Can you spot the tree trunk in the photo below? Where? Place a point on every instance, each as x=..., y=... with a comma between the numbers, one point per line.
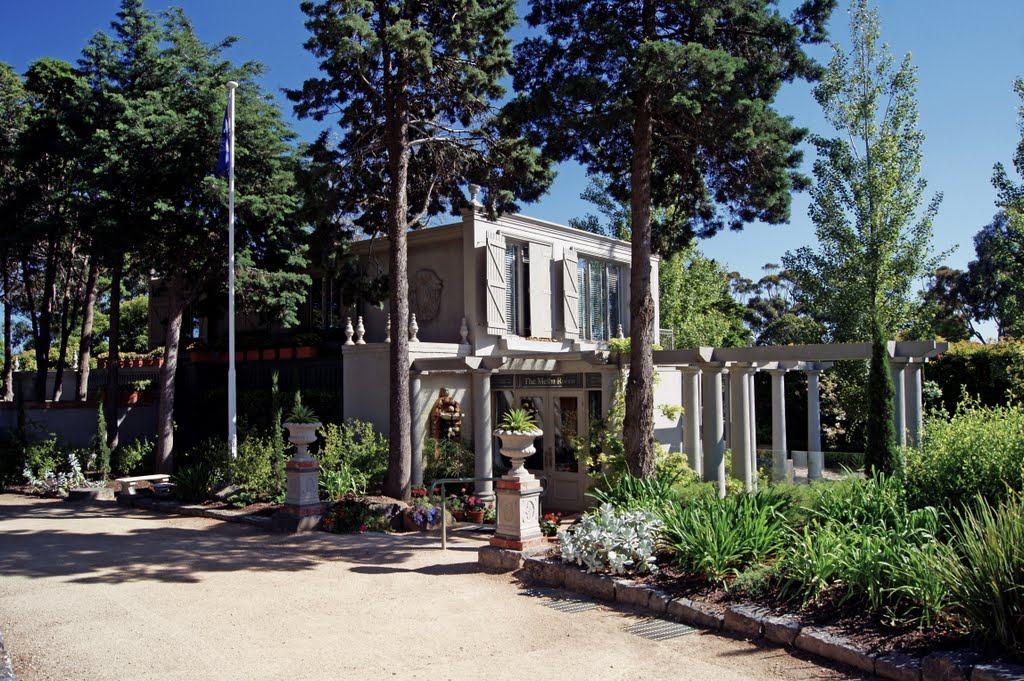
x=165, y=415
x=397, y=482
x=8, y=335
x=638, y=430
x=69, y=310
x=44, y=337
x=85, y=345
x=114, y=354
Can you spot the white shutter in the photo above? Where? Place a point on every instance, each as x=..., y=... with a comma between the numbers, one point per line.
x=495, y=283
x=570, y=294
x=540, y=291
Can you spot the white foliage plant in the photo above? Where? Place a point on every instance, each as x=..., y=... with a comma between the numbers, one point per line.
x=50, y=482
x=608, y=538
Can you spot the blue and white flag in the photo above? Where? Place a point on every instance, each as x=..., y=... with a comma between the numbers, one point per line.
x=224, y=159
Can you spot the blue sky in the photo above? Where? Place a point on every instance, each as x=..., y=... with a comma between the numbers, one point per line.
x=967, y=54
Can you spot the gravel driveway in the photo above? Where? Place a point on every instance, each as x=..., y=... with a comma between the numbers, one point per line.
x=104, y=592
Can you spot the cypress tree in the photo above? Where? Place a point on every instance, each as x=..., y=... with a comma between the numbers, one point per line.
x=881, y=454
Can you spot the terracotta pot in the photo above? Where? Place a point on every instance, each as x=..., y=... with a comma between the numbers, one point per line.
x=201, y=356
x=459, y=515
x=130, y=397
x=268, y=354
x=252, y=355
x=101, y=364
x=305, y=352
x=239, y=355
x=475, y=517
x=285, y=353
x=158, y=362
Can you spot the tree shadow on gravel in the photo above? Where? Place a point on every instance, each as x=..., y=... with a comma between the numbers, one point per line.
x=181, y=553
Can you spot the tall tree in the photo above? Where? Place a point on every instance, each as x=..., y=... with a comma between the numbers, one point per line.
x=773, y=312
x=874, y=237
x=672, y=102
x=13, y=114
x=414, y=85
x=696, y=303
x=994, y=287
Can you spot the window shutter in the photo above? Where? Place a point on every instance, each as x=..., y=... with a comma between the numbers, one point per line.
x=495, y=273
x=570, y=294
x=614, y=316
x=540, y=291
x=598, y=302
x=511, y=290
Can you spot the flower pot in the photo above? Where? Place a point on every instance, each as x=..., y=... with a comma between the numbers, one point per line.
x=518, y=446
x=302, y=435
x=101, y=364
x=285, y=353
x=268, y=354
x=199, y=356
x=130, y=397
x=305, y=352
x=459, y=515
x=475, y=517
x=158, y=361
x=252, y=355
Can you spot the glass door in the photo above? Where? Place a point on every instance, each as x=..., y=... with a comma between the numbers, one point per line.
x=566, y=482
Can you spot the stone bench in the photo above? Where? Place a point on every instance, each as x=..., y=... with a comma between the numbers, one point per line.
x=128, y=484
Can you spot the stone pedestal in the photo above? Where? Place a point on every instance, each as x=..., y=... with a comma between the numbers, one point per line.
x=518, y=514
x=302, y=508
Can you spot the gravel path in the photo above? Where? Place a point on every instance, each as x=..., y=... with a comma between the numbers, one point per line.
x=104, y=592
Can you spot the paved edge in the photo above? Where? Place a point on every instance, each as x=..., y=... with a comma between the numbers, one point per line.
x=755, y=623
x=149, y=503
x=6, y=670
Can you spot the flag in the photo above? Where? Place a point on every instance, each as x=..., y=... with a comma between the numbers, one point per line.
x=224, y=159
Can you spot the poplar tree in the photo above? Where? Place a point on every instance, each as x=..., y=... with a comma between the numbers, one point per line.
x=414, y=86
x=672, y=102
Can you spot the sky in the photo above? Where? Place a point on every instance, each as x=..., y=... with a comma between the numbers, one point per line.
x=967, y=53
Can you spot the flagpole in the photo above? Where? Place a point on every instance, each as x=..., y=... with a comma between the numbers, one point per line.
x=232, y=398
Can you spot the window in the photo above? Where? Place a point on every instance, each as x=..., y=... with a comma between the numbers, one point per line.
x=517, y=288
x=599, y=304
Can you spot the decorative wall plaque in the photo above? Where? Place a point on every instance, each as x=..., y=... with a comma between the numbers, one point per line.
x=425, y=294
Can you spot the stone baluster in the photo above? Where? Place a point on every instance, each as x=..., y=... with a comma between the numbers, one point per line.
x=464, y=331
x=360, y=331
x=414, y=329
x=348, y=331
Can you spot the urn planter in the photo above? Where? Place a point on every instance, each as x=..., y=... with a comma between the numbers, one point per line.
x=518, y=495
x=518, y=446
x=302, y=507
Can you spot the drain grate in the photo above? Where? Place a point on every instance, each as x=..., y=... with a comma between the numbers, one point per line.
x=659, y=630
x=562, y=604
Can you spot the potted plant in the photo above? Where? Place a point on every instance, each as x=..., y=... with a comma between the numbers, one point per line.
x=252, y=355
x=456, y=503
x=268, y=354
x=490, y=515
x=286, y=353
x=549, y=524
x=475, y=508
x=517, y=431
x=422, y=514
x=131, y=393
x=302, y=425
x=306, y=346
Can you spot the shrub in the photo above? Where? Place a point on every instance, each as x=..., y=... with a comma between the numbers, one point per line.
x=100, y=443
x=131, y=456
x=356, y=445
x=446, y=459
x=42, y=456
x=252, y=470
x=194, y=483
x=980, y=450
x=631, y=493
x=12, y=458
x=718, y=538
x=350, y=515
x=984, y=568
x=335, y=484
x=612, y=539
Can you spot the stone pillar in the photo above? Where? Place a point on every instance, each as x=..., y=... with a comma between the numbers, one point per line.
x=779, y=450
x=813, y=411
x=899, y=407
x=482, y=433
x=727, y=402
x=915, y=409
x=753, y=430
x=417, y=428
x=714, y=427
x=691, y=417
x=739, y=415
x=302, y=508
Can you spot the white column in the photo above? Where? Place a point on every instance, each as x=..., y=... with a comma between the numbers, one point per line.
x=739, y=412
x=691, y=417
x=915, y=411
x=418, y=428
x=779, y=451
x=899, y=408
x=753, y=430
x=727, y=413
x=714, y=427
x=482, y=433
x=813, y=411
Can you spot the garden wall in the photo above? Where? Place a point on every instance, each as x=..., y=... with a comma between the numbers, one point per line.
x=74, y=423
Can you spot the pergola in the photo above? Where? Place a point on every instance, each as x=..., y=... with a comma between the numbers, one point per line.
x=715, y=418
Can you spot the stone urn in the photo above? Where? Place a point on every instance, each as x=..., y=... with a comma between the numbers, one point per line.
x=517, y=445
x=302, y=435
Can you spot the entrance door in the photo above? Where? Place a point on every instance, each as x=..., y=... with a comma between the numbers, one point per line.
x=566, y=421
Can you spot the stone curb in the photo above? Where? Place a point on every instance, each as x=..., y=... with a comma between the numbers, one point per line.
x=755, y=622
x=6, y=670
x=159, y=505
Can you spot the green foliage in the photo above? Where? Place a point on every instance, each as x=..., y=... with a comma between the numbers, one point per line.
x=696, y=303
x=632, y=493
x=881, y=454
x=252, y=469
x=354, y=449
x=277, y=464
x=335, y=483
x=984, y=570
x=518, y=421
x=43, y=455
x=131, y=456
x=134, y=325
x=351, y=515
x=102, y=446
x=300, y=413
x=979, y=450
x=12, y=458
x=718, y=538
x=446, y=459
x=992, y=374
x=194, y=483
x=875, y=242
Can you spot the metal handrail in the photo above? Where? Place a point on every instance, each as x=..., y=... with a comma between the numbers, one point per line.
x=444, y=514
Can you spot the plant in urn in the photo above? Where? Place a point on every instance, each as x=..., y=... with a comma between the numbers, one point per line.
x=517, y=431
x=302, y=425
